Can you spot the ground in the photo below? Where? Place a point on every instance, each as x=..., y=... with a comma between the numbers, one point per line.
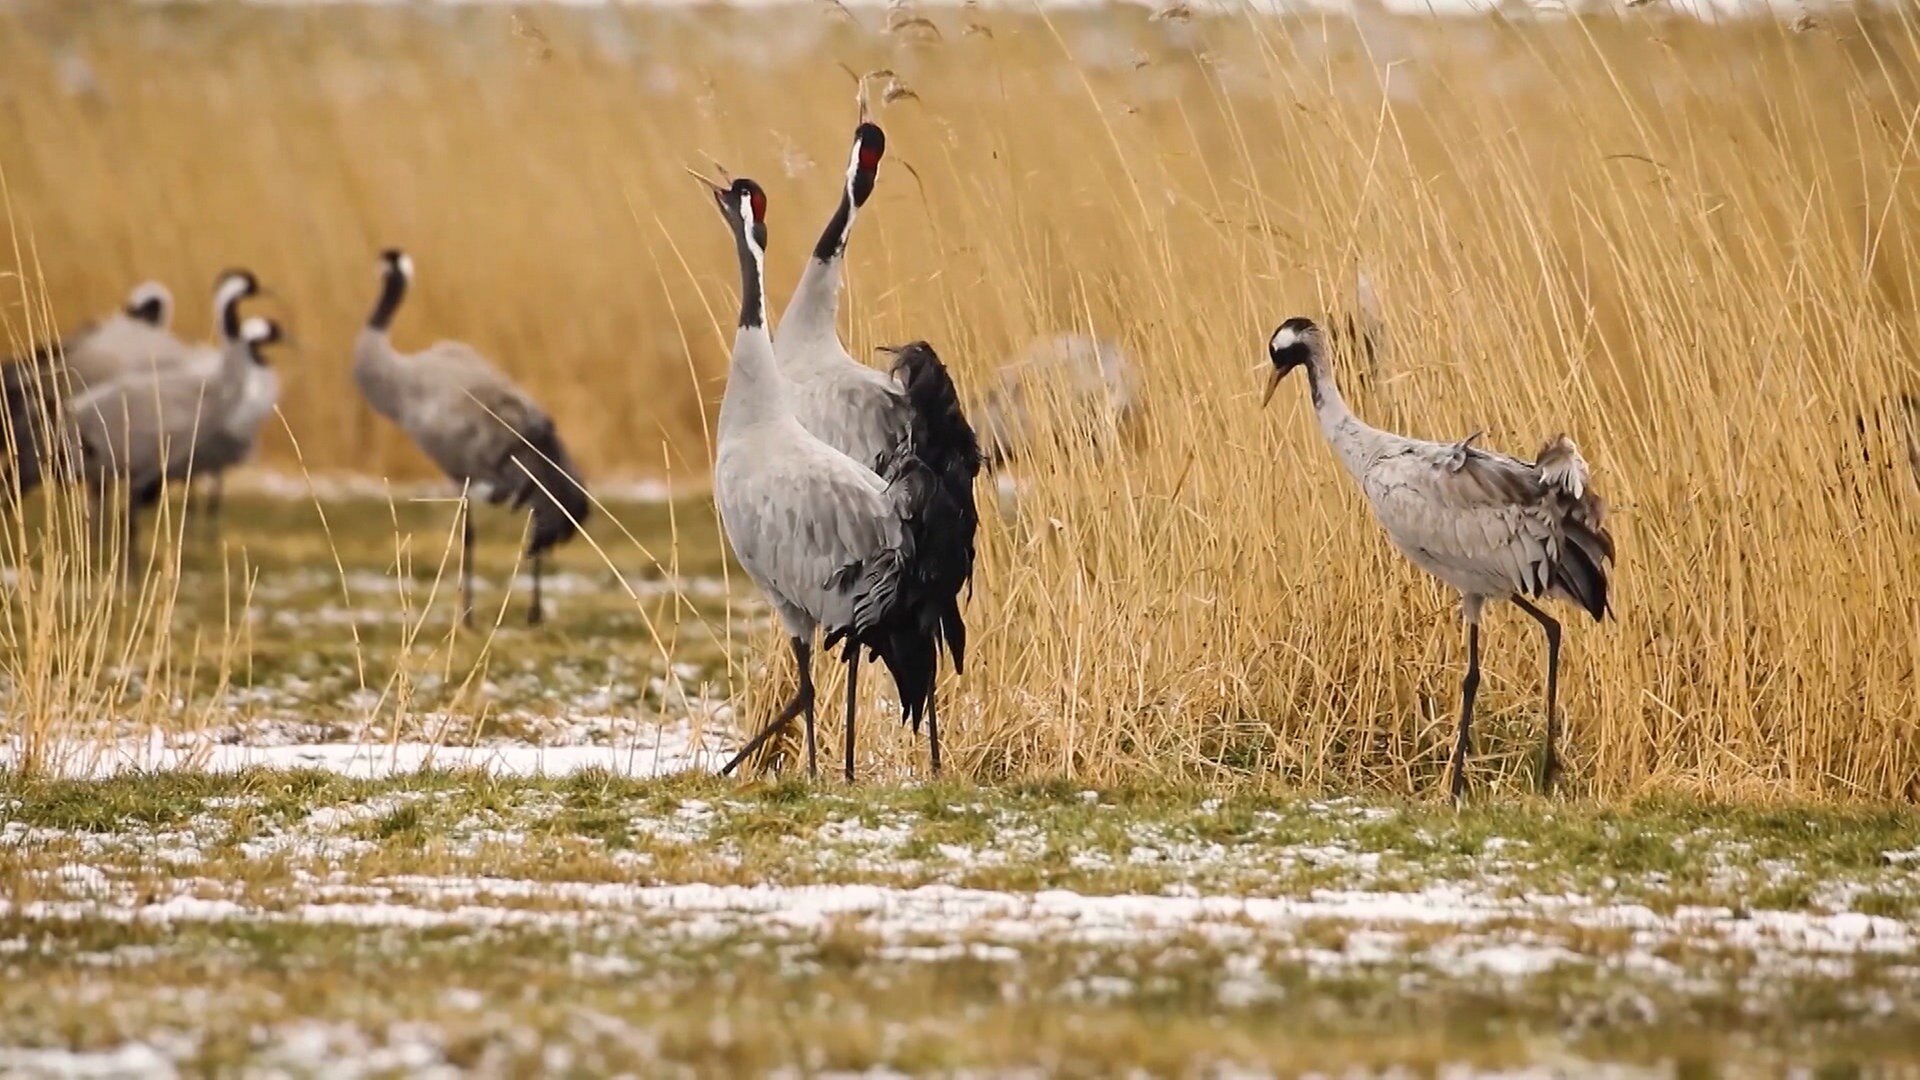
x=383, y=846
x=594, y=923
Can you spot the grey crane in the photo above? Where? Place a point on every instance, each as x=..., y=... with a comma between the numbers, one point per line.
x=237, y=431
x=148, y=427
x=485, y=433
x=872, y=416
x=35, y=387
x=1491, y=526
x=830, y=541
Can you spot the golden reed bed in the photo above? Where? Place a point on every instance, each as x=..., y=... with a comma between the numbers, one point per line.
x=1688, y=246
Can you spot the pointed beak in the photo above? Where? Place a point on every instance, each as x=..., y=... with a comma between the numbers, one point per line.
x=890, y=350
x=706, y=180
x=1273, y=383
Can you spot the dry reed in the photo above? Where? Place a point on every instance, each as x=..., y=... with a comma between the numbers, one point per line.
x=1685, y=244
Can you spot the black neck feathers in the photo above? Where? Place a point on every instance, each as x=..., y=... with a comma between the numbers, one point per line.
x=392, y=290
x=833, y=240
x=230, y=317
x=753, y=304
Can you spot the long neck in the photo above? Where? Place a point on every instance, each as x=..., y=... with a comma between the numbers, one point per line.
x=814, y=310
x=226, y=316
x=754, y=386
x=1352, y=438
x=392, y=291
x=237, y=361
x=376, y=368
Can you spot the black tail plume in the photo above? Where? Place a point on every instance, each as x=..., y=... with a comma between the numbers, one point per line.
x=945, y=520
x=550, y=486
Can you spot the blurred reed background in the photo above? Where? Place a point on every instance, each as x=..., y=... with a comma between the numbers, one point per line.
x=1685, y=244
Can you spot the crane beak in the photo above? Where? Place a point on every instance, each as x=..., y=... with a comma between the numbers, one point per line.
x=1273, y=383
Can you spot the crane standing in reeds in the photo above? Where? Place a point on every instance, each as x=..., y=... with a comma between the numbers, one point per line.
x=35, y=388
x=874, y=417
x=1491, y=526
x=142, y=430
x=830, y=541
x=486, y=434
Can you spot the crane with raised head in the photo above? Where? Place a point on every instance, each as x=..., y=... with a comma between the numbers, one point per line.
x=831, y=542
x=877, y=418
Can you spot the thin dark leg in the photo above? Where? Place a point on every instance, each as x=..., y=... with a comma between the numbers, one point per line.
x=1549, y=758
x=853, y=679
x=933, y=732
x=802, y=701
x=535, y=614
x=806, y=680
x=466, y=563
x=1463, y=745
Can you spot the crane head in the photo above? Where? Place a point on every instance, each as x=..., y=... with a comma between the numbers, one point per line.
x=395, y=261
x=151, y=303
x=235, y=285
x=258, y=331
x=1290, y=347
x=743, y=203
x=869, y=146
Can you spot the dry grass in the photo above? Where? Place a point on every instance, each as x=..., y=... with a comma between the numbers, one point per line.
x=1686, y=245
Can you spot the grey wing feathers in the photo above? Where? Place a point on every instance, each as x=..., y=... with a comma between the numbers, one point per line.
x=1492, y=525
x=809, y=532
x=145, y=429
x=854, y=409
x=466, y=415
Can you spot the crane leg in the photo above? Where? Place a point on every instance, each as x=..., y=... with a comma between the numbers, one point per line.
x=1463, y=744
x=535, y=614
x=933, y=732
x=802, y=701
x=1549, y=757
x=853, y=678
x=466, y=563
x=813, y=748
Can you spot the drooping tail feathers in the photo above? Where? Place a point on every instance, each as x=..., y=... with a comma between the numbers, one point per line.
x=548, y=485
x=903, y=602
x=1581, y=570
x=908, y=605
x=945, y=519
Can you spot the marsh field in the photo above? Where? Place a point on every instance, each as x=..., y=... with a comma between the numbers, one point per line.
x=267, y=810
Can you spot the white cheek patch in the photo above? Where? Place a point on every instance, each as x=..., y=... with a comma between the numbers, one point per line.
x=1282, y=338
x=255, y=329
x=853, y=162
x=405, y=262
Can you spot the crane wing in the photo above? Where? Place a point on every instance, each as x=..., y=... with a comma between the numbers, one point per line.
x=1474, y=518
x=806, y=527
